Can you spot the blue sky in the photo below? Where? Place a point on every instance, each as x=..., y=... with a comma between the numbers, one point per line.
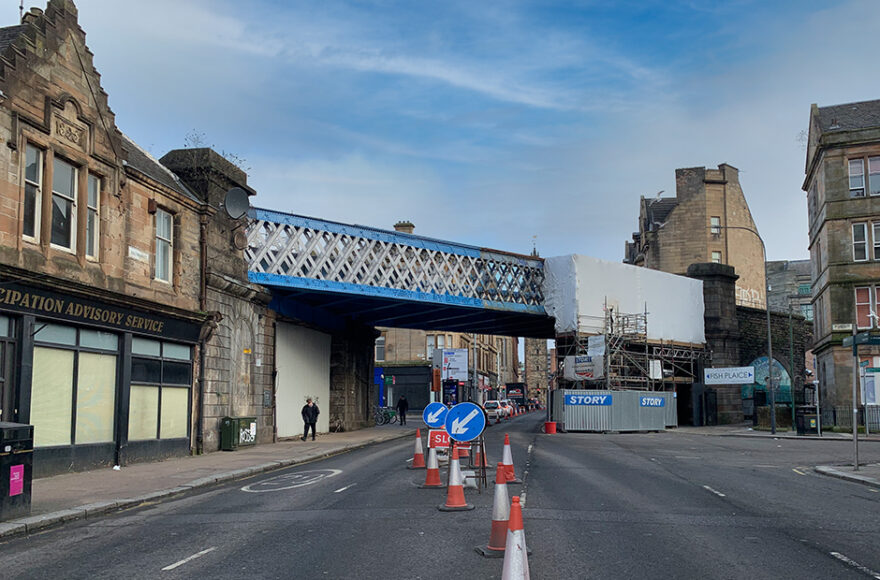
x=500, y=124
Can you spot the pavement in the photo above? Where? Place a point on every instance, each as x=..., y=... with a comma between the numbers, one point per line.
x=93, y=494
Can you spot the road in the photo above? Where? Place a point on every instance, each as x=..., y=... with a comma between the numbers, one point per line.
x=663, y=505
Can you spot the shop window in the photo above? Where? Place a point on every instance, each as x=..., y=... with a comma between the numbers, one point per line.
x=160, y=390
x=5, y=326
x=93, y=221
x=95, y=397
x=52, y=396
x=33, y=192
x=73, y=391
x=64, y=185
x=164, y=245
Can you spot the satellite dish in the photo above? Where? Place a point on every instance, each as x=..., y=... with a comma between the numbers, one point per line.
x=236, y=203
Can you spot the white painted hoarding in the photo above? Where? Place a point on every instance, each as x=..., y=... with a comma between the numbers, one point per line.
x=576, y=289
x=730, y=376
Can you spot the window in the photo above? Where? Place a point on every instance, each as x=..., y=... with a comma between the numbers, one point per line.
x=863, y=307
x=380, y=349
x=860, y=242
x=856, y=178
x=33, y=192
x=715, y=225
x=716, y=257
x=93, y=218
x=807, y=311
x=164, y=245
x=432, y=342
x=874, y=175
x=803, y=289
x=64, y=181
x=161, y=376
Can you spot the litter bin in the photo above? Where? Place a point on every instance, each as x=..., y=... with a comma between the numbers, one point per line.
x=16, y=469
x=811, y=423
x=237, y=431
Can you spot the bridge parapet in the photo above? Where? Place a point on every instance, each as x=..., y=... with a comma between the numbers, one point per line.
x=298, y=251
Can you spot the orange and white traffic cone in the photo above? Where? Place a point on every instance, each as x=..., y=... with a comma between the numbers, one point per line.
x=455, y=501
x=516, y=556
x=432, y=476
x=418, y=461
x=507, y=462
x=480, y=459
x=464, y=450
x=500, y=516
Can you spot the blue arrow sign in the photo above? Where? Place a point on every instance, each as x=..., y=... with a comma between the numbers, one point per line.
x=465, y=422
x=434, y=415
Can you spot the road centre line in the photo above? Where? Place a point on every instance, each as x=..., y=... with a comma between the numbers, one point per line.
x=715, y=491
x=856, y=565
x=798, y=471
x=341, y=489
x=189, y=559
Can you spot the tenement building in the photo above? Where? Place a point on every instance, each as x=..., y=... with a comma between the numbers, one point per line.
x=708, y=221
x=843, y=200
x=99, y=263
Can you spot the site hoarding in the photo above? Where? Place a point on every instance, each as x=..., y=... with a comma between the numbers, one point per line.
x=577, y=289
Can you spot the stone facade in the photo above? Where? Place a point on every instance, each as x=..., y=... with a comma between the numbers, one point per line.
x=736, y=335
x=536, y=365
x=709, y=218
x=790, y=287
x=843, y=149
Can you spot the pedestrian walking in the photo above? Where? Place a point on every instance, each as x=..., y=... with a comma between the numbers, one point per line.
x=310, y=414
x=402, y=408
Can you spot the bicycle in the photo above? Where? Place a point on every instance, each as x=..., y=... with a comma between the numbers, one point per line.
x=384, y=415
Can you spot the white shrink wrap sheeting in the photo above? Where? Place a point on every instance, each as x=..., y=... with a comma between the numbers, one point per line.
x=577, y=287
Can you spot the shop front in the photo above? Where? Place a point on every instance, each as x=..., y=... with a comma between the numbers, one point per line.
x=102, y=383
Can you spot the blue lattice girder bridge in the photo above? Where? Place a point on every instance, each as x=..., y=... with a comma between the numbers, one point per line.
x=334, y=274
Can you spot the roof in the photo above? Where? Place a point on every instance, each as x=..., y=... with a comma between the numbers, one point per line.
x=657, y=210
x=8, y=34
x=850, y=116
x=143, y=162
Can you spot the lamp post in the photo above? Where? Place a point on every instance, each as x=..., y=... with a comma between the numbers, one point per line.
x=769, y=335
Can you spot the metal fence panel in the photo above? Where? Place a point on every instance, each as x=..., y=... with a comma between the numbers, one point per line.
x=588, y=417
x=591, y=410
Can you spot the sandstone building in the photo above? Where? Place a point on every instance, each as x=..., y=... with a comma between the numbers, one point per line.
x=843, y=200
x=708, y=221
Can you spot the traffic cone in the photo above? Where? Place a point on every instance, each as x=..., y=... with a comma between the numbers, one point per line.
x=418, y=461
x=455, y=501
x=480, y=459
x=516, y=557
x=500, y=516
x=507, y=462
x=463, y=451
x=432, y=476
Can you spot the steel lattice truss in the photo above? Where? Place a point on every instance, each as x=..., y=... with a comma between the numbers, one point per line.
x=356, y=259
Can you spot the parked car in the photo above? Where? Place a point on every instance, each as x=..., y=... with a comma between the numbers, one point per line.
x=507, y=407
x=493, y=410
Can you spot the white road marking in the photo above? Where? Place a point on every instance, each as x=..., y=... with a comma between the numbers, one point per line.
x=189, y=559
x=798, y=471
x=291, y=480
x=715, y=491
x=341, y=489
x=856, y=565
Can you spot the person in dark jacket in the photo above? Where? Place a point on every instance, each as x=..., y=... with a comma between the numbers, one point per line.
x=402, y=408
x=310, y=414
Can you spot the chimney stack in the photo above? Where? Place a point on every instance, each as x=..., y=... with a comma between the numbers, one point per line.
x=405, y=226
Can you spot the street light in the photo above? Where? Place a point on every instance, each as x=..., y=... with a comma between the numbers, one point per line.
x=769, y=336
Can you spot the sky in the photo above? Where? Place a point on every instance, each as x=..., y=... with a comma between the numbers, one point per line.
x=501, y=124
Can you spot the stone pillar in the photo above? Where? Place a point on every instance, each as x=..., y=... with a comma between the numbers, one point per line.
x=722, y=331
x=351, y=377
x=535, y=365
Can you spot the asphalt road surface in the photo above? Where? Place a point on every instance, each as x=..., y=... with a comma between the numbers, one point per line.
x=660, y=505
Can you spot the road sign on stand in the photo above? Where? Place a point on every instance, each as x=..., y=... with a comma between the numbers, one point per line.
x=438, y=439
x=434, y=415
x=729, y=376
x=465, y=422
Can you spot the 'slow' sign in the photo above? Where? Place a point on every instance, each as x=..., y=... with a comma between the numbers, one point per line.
x=438, y=438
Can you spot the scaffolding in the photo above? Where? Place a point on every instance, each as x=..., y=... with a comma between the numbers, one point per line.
x=631, y=360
